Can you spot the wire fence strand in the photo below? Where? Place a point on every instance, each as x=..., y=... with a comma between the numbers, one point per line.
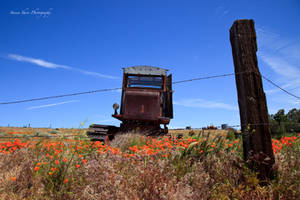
x=203, y=78
x=289, y=93
x=24, y=136
x=175, y=82
x=59, y=96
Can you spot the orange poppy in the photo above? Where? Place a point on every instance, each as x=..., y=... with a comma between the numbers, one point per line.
x=36, y=168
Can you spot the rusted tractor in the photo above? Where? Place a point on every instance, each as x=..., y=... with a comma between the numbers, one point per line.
x=146, y=104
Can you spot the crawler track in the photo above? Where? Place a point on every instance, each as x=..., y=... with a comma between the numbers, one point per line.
x=100, y=132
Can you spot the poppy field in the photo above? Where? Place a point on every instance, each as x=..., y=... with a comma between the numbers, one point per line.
x=133, y=166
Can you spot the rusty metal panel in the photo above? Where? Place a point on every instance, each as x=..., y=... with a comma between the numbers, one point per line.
x=169, y=98
x=141, y=105
x=145, y=70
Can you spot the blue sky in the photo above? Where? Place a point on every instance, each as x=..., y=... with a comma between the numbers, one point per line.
x=81, y=45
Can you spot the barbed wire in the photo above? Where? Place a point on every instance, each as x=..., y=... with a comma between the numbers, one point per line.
x=59, y=96
x=203, y=78
x=203, y=128
x=175, y=82
x=211, y=77
x=105, y=90
x=256, y=124
x=280, y=87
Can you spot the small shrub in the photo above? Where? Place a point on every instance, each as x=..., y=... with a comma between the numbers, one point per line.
x=191, y=133
x=3, y=134
x=53, y=132
x=42, y=134
x=230, y=134
x=124, y=141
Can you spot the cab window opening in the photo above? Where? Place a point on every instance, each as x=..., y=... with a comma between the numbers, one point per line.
x=145, y=82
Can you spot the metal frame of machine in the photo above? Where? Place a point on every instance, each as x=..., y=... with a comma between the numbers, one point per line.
x=146, y=103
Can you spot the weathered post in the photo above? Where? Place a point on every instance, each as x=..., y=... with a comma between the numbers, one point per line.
x=257, y=144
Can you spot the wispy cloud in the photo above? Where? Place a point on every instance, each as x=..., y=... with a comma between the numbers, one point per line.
x=280, y=65
x=50, y=105
x=36, y=61
x=294, y=102
x=271, y=91
x=221, y=11
x=49, y=65
x=201, y=103
x=282, y=56
x=270, y=40
x=94, y=74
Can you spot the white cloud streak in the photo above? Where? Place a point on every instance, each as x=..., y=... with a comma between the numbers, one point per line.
x=49, y=65
x=201, y=103
x=282, y=56
x=36, y=61
x=50, y=105
x=271, y=91
x=281, y=66
x=221, y=11
x=95, y=74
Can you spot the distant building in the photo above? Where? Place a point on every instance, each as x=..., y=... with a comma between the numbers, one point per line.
x=224, y=126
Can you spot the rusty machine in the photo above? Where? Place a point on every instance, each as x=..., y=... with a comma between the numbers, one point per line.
x=146, y=104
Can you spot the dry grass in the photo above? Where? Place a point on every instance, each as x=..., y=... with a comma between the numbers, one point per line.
x=7, y=133
x=182, y=174
x=197, y=132
x=30, y=131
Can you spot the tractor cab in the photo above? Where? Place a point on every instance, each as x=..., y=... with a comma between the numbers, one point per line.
x=146, y=104
x=146, y=100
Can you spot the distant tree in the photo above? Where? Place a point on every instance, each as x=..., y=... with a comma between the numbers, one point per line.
x=280, y=116
x=294, y=115
x=281, y=123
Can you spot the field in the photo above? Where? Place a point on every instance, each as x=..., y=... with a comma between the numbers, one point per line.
x=192, y=132
x=46, y=164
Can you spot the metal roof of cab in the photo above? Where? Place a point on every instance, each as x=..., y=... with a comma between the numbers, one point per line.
x=145, y=70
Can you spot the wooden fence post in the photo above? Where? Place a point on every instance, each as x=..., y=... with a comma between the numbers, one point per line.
x=257, y=144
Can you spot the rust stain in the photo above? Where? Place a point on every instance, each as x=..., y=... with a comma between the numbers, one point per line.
x=143, y=108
